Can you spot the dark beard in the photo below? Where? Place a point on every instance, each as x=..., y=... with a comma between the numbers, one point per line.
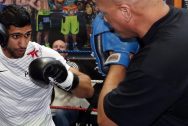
x=13, y=54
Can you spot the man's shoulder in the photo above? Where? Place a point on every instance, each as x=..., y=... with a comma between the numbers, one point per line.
x=38, y=46
x=41, y=50
x=34, y=43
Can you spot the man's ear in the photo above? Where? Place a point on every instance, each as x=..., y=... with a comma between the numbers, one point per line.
x=126, y=12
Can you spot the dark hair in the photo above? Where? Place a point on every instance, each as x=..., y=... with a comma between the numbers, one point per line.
x=14, y=15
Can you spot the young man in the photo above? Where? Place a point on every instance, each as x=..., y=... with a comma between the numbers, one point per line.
x=25, y=91
x=155, y=90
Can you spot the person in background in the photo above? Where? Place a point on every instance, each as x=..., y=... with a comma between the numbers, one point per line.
x=70, y=24
x=34, y=4
x=43, y=22
x=25, y=4
x=60, y=45
x=8, y=2
x=155, y=89
x=29, y=71
x=82, y=37
x=62, y=98
x=90, y=15
x=55, y=5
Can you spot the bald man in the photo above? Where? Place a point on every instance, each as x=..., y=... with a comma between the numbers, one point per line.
x=155, y=89
x=60, y=45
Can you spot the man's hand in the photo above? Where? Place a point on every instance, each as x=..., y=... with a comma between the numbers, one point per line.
x=48, y=70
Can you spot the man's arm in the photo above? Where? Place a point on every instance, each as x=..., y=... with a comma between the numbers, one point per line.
x=115, y=75
x=84, y=88
x=35, y=4
x=21, y=2
x=46, y=71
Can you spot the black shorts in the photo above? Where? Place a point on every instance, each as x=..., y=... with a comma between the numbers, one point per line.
x=43, y=23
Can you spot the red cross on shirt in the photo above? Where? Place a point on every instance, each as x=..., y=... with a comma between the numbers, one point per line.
x=33, y=53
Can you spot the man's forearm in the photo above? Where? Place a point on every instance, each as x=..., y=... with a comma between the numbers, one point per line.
x=84, y=88
x=115, y=75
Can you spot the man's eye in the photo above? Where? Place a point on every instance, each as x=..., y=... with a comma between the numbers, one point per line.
x=27, y=35
x=19, y=35
x=16, y=36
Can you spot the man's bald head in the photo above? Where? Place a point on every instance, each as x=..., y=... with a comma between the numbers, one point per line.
x=142, y=4
x=132, y=18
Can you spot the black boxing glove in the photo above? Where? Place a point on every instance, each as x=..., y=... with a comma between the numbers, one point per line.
x=46, y=70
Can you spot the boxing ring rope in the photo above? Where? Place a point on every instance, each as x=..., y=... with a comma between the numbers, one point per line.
x=96, y=81
x=73, y=54
x=74, y=51
x=72, y=108
x=93, y=110
x=77, y=108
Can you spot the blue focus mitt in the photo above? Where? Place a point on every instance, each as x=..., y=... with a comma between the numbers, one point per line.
x=108, y=48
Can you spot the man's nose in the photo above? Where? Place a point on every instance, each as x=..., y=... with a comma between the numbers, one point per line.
x=23, y=42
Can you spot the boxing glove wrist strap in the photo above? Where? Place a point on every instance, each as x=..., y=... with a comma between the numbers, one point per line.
x=70, y=83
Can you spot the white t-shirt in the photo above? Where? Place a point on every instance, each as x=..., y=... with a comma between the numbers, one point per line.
x=23, y=103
